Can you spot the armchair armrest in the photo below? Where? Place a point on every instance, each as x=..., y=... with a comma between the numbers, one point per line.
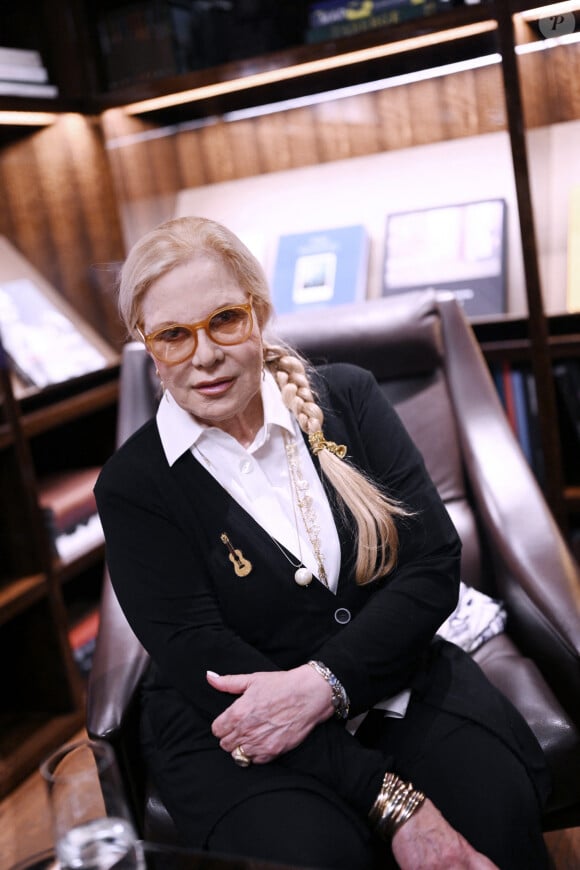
x=119, y=663
x=536, y=574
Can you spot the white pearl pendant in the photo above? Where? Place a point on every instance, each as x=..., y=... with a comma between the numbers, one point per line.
x=303, y=577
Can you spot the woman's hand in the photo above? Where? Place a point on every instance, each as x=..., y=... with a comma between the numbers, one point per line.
x=428, y=842
x=275, y=711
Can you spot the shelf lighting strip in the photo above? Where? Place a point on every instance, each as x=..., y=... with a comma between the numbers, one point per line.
x=300, y=102
x=550, y=11
x=28, y=119
x=349, y=58
x=366, y=87
x=550, y=42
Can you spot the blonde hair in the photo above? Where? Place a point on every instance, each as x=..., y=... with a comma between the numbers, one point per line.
x=374, y=513
x=177, y=241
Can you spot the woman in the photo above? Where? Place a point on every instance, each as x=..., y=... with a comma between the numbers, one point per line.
x=278, y=548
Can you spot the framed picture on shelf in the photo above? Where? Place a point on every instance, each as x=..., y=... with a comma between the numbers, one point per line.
x=460, y=248
x=45, y=339
x=320, y=268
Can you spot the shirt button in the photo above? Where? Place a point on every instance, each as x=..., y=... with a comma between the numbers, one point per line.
x=246, y=465
x=342, y=615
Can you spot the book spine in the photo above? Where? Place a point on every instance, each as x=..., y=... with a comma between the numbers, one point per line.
x=497, y=376
x=67, y=498
x=82, y=540
x=20, y=56
x=395, y=13
x=337, y=11
x=521, y=412
x=27, y=89
x=85, y=630
x=567, y=376
x=509, y=400
x=22, y=73
x=534, y=427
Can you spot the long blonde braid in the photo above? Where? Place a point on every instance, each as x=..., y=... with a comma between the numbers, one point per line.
x=373, y=512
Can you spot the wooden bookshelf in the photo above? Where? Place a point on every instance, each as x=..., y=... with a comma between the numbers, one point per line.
x=42, y=700
x=66, y=190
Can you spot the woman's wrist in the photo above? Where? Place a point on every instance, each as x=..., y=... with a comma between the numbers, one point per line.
x=396, y=802
x=340, y=700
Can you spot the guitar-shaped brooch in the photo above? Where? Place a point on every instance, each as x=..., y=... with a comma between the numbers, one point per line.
x=242, y=566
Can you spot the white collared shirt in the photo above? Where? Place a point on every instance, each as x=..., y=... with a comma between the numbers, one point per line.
x=257, y=477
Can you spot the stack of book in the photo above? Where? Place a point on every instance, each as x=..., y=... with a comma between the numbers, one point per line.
x=67, y=501
x=22, y=74
x=143, y=40
x=332, y=19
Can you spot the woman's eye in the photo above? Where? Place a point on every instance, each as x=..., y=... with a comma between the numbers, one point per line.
x=173, y=334
x=226, y=318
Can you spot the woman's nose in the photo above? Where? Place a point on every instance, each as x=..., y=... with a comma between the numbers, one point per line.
x=207, y=352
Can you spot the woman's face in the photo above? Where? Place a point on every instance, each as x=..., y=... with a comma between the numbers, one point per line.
x=219, y=386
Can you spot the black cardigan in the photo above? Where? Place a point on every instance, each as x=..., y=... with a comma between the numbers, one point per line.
x=177, y=586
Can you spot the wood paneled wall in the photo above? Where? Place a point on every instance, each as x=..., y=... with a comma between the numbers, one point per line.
x=59, y=210
x=146, y=167
x=150, y=165
x=77, y=194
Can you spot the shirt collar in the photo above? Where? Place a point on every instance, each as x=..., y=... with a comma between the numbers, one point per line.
x=180, y=431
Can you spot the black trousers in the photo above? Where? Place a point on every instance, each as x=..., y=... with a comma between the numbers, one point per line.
x=475, y=780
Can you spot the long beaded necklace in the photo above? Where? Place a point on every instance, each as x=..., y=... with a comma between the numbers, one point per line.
x=301, y=496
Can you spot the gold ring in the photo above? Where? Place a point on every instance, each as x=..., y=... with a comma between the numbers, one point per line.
x=240, y=757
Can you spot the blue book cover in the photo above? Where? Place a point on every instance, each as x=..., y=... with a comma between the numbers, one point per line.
x=519, y=392
x=320, y=268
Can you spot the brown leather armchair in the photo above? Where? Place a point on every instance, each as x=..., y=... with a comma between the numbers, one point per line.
x=424, y=354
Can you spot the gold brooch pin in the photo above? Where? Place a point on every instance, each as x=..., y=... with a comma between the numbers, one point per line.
x=242, y=566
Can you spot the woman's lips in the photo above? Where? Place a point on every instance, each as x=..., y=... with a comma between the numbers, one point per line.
x=214, y=388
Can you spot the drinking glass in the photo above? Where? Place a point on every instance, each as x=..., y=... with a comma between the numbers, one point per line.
x=91, y=821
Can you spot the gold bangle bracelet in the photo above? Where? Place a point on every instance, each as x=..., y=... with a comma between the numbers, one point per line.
x=395, y=804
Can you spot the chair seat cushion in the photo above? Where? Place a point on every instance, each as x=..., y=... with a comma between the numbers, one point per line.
x=519, y=679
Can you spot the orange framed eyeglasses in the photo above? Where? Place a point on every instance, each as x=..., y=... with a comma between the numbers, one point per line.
x=177, y=342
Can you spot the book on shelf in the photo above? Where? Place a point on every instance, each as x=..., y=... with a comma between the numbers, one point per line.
x=27, y=89
x=82, y=638
x=536, y=448
x=567, y=380
x=509, y=401
x=22, y=74
x=567, y=376
x=332, y=19
x=460, y=248
x=137, y=42
x=320, y=268
x=67, y=498
x=20, y=56
x=13, y=72
x=45, y=339
x=521, y=413
x=82, y=539
x=70, y=511
x=516, y=387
